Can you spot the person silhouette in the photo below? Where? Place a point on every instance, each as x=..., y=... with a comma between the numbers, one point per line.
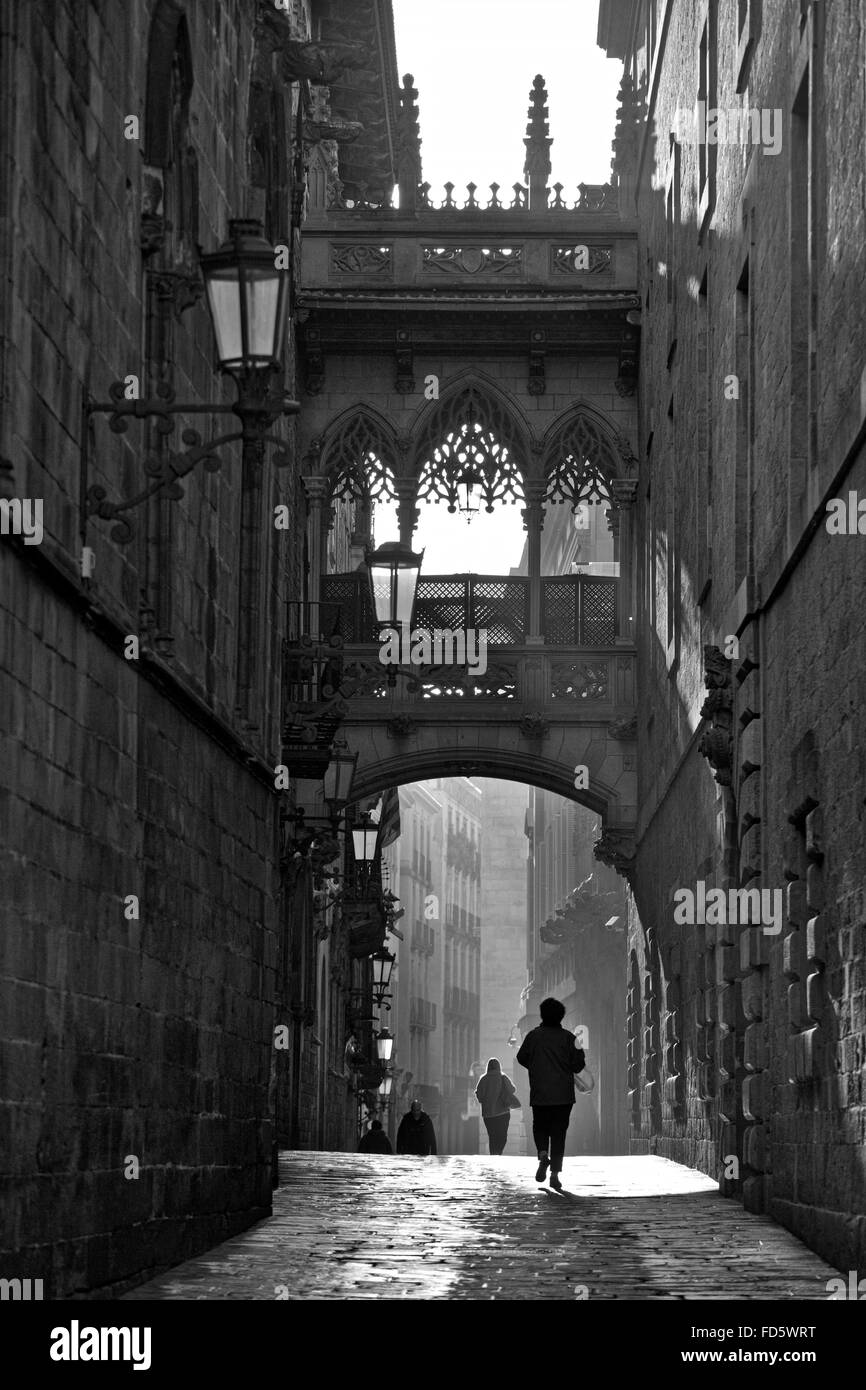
x=552, y=1058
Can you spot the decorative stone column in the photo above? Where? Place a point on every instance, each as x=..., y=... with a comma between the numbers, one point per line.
x=407, y=511
x=622, y=495
x=316, y=489
x=533, y=524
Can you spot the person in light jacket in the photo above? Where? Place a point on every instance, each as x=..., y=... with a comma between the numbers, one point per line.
x=552, y=1058
x=493, y=1093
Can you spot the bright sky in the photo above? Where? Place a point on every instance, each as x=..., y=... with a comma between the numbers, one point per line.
x=473, y=62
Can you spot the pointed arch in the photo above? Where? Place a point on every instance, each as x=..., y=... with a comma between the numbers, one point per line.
x=472, y=428
x=359, y=456
x=581, y=456
x=168, y=48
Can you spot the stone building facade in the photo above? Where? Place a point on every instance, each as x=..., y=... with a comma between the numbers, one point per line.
x=746, y=1040
x=434, y=869
x=152, y=947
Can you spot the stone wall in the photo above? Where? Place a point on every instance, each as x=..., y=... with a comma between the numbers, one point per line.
x=137, y=1127
x=746, y=1046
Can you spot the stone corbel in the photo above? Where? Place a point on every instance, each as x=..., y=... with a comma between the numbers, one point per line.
x=623, y=730
x=180, y=288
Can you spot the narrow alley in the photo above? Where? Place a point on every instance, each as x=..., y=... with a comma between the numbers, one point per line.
x=481, y=1228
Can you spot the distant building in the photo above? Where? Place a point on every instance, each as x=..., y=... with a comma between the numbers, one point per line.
x=435, y=869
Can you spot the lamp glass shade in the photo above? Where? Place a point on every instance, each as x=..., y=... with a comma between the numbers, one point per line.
x=385, y=1086
x=248, y=299
x=384, y=1046
x=364, y=842
x=339, y=776
x=393, y=571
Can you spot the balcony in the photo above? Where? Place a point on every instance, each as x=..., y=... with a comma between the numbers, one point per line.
x=577, y=610
x=423, y=939
x=422, y=1014
x=583, y=674
x=462, y=1002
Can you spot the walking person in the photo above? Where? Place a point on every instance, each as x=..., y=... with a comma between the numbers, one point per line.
x=552, y=1059
x=497, y=1097
x=375, y=1141
x=416, y=1134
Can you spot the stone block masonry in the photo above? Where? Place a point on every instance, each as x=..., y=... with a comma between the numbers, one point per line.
x=747, y=1050
x=139, y=834
x=138, y=1046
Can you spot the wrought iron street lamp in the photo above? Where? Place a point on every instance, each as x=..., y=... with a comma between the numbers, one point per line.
x=383, y=964
x=338, y=779
x=384, y=1045
x=248, y=300
x=393, y=570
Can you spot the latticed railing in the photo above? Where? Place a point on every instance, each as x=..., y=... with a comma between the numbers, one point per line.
x=577, y=610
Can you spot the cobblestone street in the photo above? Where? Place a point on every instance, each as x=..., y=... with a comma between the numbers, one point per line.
x=359, y=1226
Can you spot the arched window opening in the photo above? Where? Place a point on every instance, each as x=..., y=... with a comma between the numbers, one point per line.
x=360, y=463
x=468, y=456
x=579, y=540
x=170, y=192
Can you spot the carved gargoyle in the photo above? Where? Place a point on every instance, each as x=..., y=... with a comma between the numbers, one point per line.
x=345, y=132
x=314, y=62
x=716, y=744
x=617, y=849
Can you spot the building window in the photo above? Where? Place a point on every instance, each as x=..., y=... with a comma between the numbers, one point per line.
x=745, y=371
x=672, y=226
x=704, y=386
x=707, y=103
x=748, y=31
x=802, y=292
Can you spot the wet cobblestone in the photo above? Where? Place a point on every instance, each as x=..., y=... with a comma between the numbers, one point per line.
x=353, y=1226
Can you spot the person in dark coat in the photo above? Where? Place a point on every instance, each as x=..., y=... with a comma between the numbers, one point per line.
x=375, y=1141
x=552, y=1058
x=493, y=1093
x=416, y=1134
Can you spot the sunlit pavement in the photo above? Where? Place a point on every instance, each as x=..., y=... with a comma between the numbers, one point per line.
x=349, y=1226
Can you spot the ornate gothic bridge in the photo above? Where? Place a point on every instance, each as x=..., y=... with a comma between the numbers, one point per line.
x=490, y=346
